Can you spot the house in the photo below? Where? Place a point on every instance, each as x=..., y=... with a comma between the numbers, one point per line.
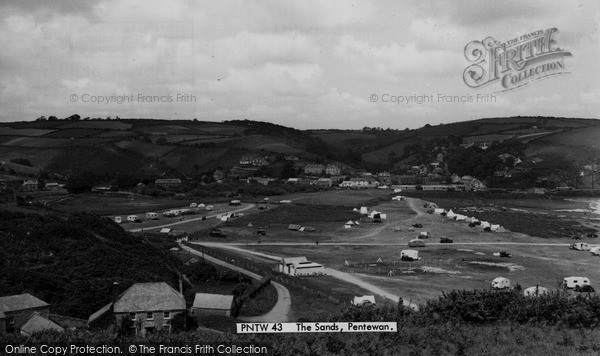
x=148, y=306
x=52, y=186
x=260, y=180
x=254, y=161
x=15, y=311
x=29, y=186
x=168, y=183
x=332, y=169
x=472, y=183
x=384, y=178
x=314, y=169
x=324, y=182
x=212, y=304
x=291, y=158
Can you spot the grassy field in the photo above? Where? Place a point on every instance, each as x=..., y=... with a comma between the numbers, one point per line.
x=96, y=124
x=23, y=132
x=72, y=133
x=116, y=204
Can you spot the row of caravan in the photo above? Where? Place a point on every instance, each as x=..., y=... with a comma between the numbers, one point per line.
x=576, y=283
x=168, y=214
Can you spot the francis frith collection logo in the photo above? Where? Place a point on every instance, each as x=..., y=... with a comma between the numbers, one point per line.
x=514, y=63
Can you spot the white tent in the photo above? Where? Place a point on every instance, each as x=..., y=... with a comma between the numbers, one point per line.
x=347, y=226
x=364, y=210
x=201, y=205
x=165, y=230
x=461, y=218
x=484, y=224
x=350, y=222
x=373, y=213
x=355, y=209
x=224, y=218
x=501, y=229
x=450, y=214
x=471, y=220
x=438, y=211
x=409, y=254
x=494, y=227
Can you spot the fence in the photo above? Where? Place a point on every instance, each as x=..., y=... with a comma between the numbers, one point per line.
x=399, y=266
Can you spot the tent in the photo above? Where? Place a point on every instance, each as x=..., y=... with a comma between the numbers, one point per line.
x=355, y=209
x=350, y=222
x=460, y=218
x=294, y=227
x=494, y=227
x=450, y=214
x=484, y=224
x=501, y=229
x=165, y=230
x=364, y=210
x=438, y=211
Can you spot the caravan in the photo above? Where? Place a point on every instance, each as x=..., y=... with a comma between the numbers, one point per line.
x=409, y=255
x=152, y=216
x=574, y=282
x=500, y=283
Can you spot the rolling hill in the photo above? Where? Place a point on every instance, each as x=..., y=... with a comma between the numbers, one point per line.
x=191, y=148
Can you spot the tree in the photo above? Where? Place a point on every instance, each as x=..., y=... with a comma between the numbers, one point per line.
x=52, y=118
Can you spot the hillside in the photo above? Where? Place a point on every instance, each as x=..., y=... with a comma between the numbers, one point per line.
x=149, y=149
x=71, y=261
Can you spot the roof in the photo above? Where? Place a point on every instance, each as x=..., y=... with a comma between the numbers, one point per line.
x=37, y=322
x=290, y=260
x=20, y=302
x=145, y=297
x=213, y=301
x=105, y=309
x=168, y=181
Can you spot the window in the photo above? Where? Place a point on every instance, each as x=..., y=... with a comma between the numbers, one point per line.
x=149, y=316
x=166, y=315
x=167, y=328
x=132, y=316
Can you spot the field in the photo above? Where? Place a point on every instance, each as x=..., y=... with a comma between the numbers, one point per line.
x=73, y=133
x=104, y=125
x=23, y=132
x=115, y=204
x=146, y=149
x=468, y=263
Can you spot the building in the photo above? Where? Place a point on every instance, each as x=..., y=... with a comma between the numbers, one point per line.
x=314, y=169
x=472, y=183
x=291, y=158
x=300, y=266
x=168, y=183
x=324, y=182
x=332, y=170
x=38, y=322
x=52, y=186
x=212, y=304
x=384, y=178
x=16, y=310
x=29, y=186
x=260, y=180
x=149, y=306
x=254, y=161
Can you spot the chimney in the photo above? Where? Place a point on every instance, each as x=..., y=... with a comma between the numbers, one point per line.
x=180, y=285
x=114, y=292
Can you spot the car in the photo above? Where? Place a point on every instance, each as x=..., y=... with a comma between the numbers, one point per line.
x=418, y=226
x=584, y=289
x=416, y=243
x=445, y=240
x=217, y=233
x=262, y=232
x=502, y=254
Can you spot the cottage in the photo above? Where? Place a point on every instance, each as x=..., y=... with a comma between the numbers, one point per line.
x=168, y=183
x=29, y=185
x=15, y=311
x=38, y=322
x=300, y=266
x=332, y=170
x=149, y=307
x=314, y=169
x=212, y=304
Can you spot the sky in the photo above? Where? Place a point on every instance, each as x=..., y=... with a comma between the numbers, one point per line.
x=305, y=64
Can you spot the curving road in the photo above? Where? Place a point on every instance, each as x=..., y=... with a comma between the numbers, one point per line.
x=346, y=277
x=281, y=310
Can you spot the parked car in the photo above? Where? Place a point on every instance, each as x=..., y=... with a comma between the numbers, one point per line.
x=217, y=233
x=416, y=243
x=418, y=226
x=445, y=240
x=580, y=246
x=502, y=254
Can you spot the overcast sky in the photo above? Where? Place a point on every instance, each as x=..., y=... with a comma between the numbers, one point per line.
x=305, y=64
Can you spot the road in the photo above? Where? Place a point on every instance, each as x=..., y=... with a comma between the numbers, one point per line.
x=265, y=243
x=281, y=310
x=346, y=277
x=250, y=206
